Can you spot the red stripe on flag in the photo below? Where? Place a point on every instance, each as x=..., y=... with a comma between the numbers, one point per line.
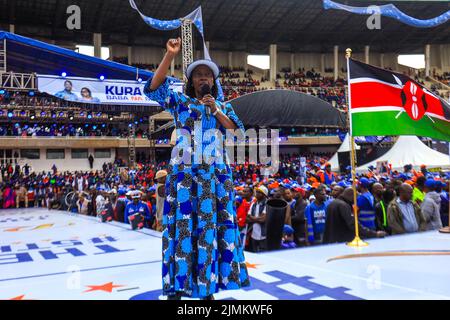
x=374, y=94
x=434, y=105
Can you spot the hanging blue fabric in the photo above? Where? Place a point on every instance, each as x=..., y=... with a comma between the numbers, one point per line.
x=391, y=11
x=165, y=25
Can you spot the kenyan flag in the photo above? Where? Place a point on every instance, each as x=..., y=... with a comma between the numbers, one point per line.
x=384, y=103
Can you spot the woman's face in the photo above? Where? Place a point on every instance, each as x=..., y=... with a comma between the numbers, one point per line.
x=202, y=75
x=85, y=93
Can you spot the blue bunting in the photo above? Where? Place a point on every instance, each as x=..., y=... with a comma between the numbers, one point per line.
x=391, y=11
x=165, y=25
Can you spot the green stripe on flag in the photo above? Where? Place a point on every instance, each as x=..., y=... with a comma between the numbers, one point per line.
x=384, y=123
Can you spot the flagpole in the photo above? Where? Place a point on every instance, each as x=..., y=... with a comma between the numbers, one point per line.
x=357, y=242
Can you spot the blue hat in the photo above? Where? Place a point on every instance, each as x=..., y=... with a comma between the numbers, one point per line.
x=344, y=184
x=122, y=191
x=430, y=183
x=287, y=229
x=364, y=182
x=403, y=176
x=348, y=168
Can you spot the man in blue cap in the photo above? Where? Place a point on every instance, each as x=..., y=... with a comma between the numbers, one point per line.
x=137, y=206
x=431, y=206
x=366, y=205
x=315, y=215
x=121, y=204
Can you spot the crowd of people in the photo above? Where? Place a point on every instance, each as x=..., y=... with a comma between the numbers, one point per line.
x=319, y=202
x=321, y=210
x=444, y=77
x=304, y=81
x=25, y=129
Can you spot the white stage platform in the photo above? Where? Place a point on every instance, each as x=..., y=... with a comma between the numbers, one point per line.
x=53, y=255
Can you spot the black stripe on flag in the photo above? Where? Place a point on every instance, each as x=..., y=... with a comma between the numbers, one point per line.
x=362, y=70
x=446, y=108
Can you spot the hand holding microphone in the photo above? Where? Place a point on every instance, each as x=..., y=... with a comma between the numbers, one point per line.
x=208, y=100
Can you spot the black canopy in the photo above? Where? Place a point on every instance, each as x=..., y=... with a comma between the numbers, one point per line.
x=285, y=108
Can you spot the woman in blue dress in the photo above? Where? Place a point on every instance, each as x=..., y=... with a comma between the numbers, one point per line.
x=202, y=252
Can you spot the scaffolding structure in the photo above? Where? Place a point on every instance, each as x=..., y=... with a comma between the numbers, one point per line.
x=131, y=139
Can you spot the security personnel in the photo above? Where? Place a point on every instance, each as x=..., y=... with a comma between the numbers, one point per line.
x=137, y=206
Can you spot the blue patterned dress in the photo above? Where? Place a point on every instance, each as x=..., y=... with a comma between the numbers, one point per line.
x=202, y=251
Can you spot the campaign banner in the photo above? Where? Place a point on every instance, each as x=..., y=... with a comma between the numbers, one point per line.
x=96, y=91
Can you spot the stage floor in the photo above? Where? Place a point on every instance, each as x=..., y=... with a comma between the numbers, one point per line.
x=54, y=255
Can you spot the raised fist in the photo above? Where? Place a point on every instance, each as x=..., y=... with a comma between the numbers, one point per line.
x=173, y=46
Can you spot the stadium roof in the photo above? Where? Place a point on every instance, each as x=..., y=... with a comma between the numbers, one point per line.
x=251, y=25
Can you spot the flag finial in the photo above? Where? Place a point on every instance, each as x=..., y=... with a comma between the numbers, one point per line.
x=348, y=53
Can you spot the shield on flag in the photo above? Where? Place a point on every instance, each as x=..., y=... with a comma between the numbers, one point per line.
x=413, y=100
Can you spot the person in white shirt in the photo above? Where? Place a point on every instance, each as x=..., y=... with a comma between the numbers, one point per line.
x=100, y=201
x=256, y=219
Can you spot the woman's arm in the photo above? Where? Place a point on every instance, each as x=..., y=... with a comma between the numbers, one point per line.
x=226, y=122
x=173, y=48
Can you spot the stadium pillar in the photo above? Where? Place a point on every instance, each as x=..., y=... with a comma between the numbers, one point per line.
x=98, y=45
x=336, y=63
x=273, y=62
x=12, y=28
x=366, y=54
x=292, y=62
x=230, y=59
x=382, y=60
x=427, y=60
x=322, y=63
x=130, y=55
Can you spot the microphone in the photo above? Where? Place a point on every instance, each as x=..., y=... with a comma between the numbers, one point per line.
x=205, y=90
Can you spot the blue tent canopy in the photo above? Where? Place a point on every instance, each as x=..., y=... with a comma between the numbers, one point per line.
x=25, y=55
